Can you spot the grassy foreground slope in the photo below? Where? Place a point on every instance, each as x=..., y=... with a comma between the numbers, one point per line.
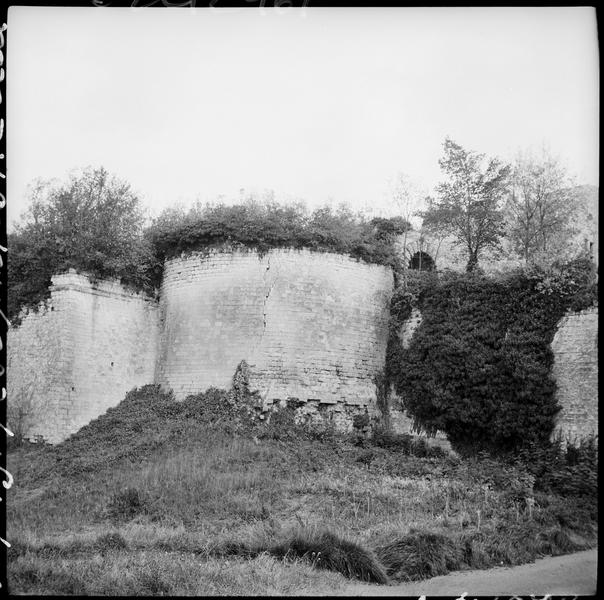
x=195, y=498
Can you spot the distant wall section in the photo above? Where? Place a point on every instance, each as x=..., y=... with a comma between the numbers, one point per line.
x=80, y=353
x=311, y=326
x=575, y=348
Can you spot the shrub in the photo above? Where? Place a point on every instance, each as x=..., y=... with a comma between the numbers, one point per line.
x=284, y=423
x=570, y=469
x=324, y=550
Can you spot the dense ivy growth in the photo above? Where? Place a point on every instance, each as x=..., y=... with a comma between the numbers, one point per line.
x=479, y=366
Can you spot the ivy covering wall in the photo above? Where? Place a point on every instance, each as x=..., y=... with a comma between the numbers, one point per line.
x=479, y=367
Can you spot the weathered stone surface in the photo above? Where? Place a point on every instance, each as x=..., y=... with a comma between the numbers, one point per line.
x=80, y=354
x=310, y=325
x=409, y=327
x=575, y=348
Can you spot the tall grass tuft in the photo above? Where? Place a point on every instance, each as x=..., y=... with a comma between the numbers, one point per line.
x=327, y=551
x=420, y=555
x=126, y=504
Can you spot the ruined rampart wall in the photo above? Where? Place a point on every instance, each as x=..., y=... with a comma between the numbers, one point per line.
x=80, y=353
x=311, y=326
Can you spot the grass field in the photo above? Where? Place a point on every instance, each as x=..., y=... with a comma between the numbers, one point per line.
x=195, y=498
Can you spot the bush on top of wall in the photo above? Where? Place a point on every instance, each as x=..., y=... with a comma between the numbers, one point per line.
x=92, y=223
x=479, y=366
x=263, y=226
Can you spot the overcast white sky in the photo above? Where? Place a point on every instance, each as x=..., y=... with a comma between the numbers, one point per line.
x=318, y=104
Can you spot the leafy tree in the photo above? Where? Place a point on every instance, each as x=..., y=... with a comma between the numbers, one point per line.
x=468, y=203
x=541, y=207
x=92, y=223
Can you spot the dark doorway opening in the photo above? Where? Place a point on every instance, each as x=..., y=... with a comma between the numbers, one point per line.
x=422, y=261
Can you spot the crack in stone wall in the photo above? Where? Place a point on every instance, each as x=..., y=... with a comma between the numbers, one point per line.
x=268, y=293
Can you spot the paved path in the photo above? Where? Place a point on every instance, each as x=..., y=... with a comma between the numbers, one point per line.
x=570, y=575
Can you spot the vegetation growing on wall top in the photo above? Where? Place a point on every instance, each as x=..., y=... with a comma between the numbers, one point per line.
x=267, y=225
x=479, y=366
x=93, y=223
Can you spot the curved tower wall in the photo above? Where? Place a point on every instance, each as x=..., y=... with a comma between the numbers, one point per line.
x=311, y=326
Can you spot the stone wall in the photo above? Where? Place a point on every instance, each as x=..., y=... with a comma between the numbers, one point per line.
x=575, y=348
x=39, y=365
x=311, y=326
x=80, y=353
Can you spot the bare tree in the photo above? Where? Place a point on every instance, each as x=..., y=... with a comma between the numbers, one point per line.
x=434, y=231
x=541, y=206
x=408, y=198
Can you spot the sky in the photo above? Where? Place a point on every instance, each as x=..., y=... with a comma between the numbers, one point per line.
x=326, y=105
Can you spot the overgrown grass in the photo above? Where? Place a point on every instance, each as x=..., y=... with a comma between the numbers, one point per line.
x=158, y=497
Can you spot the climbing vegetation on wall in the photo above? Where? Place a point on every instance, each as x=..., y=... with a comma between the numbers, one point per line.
x=479, y=366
